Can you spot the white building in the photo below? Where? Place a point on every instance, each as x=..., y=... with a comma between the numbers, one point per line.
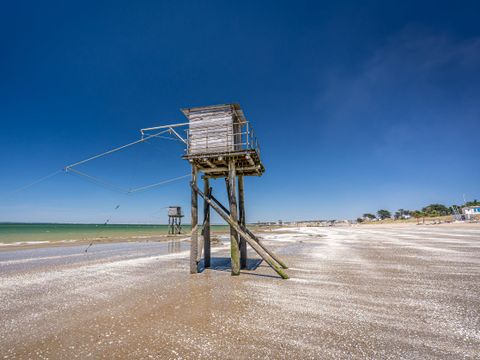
x=471, y=211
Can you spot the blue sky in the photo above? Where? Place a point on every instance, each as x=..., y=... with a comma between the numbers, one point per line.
x=358, y=106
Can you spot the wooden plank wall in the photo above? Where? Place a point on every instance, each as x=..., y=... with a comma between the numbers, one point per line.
x=211, y=131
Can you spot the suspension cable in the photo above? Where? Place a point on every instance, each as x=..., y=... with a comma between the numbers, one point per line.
x=67, y=168
x=70, y=169
x=33, y=183
x=148, y=187
x=101, y=182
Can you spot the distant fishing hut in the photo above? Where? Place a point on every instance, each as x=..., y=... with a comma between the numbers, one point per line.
x=175, y=216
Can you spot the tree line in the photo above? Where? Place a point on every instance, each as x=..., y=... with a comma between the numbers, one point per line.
x=432, y=210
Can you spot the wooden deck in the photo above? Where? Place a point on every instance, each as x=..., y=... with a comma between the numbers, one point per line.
x=247, y=163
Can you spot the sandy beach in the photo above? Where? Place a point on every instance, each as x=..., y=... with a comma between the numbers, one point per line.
x=379, y=291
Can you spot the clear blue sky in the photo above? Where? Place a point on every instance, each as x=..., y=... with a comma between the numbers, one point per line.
x=357, y=105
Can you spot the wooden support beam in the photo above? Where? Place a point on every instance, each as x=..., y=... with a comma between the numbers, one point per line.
x=232, y=199
x=267, y=250
x=254, y=237
x=222, y=160
x=200, y=249
x=206, y=223
x=220, y=169
x=194, y=236
x=209, y=163
x=219, y=204
x=256, y=246
x=242, y=221
x=250, y=160
x=215, y=170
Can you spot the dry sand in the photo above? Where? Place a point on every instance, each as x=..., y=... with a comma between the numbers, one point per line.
x=355, y=292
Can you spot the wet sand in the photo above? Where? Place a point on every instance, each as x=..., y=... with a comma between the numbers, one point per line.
x=85, y=242
x=355, y=292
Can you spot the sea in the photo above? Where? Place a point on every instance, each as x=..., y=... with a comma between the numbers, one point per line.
x=28, y=233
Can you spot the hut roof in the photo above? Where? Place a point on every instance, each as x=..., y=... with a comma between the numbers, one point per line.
x=235, y=108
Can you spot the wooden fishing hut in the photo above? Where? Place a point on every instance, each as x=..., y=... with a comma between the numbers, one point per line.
x=221, y=144
x=175, y=216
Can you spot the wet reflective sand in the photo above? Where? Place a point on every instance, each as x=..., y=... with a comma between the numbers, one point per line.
x=355, y=292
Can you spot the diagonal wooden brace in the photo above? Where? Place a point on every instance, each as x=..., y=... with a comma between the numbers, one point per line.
x=270, y=252
x=251, y=241
x=252, y=235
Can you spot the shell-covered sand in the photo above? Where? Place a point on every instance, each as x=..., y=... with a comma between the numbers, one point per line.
x=355, y=292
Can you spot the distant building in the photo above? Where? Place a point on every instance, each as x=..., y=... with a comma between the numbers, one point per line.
x=471, y=211
x=266, y=223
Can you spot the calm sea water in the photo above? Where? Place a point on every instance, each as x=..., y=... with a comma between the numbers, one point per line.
x=24, y=233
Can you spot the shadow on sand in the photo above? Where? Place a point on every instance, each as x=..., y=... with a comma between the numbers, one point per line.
x=224, y=264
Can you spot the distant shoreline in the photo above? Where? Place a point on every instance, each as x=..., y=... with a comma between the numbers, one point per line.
x=22, y=235
x=82, y=238
x=89, y=224
x=21, y=245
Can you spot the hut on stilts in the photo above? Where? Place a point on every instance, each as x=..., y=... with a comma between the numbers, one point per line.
x=175, y=216
x=222, y=144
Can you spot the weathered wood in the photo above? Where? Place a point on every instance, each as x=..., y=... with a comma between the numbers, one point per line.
x=263, y=254
x=254, y=237
x=175, y=225
x=175, y=220
x=200, y=249
x=211, y=129
x=194, y=235
x=209, y=163
x=250, y=160
x=270, y=252
x=225, y=169
x=206, y=223
x=220, y=204
x=221, y=160
x=232, y=199
x=242, y=221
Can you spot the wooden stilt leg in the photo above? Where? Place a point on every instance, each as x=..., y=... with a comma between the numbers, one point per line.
x=242, y=221
x=200, y=249
x=206, y=223
x=232, y=197
x=194, y=236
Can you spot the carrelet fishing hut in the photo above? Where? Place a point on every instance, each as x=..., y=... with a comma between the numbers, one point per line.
x=221, y=143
